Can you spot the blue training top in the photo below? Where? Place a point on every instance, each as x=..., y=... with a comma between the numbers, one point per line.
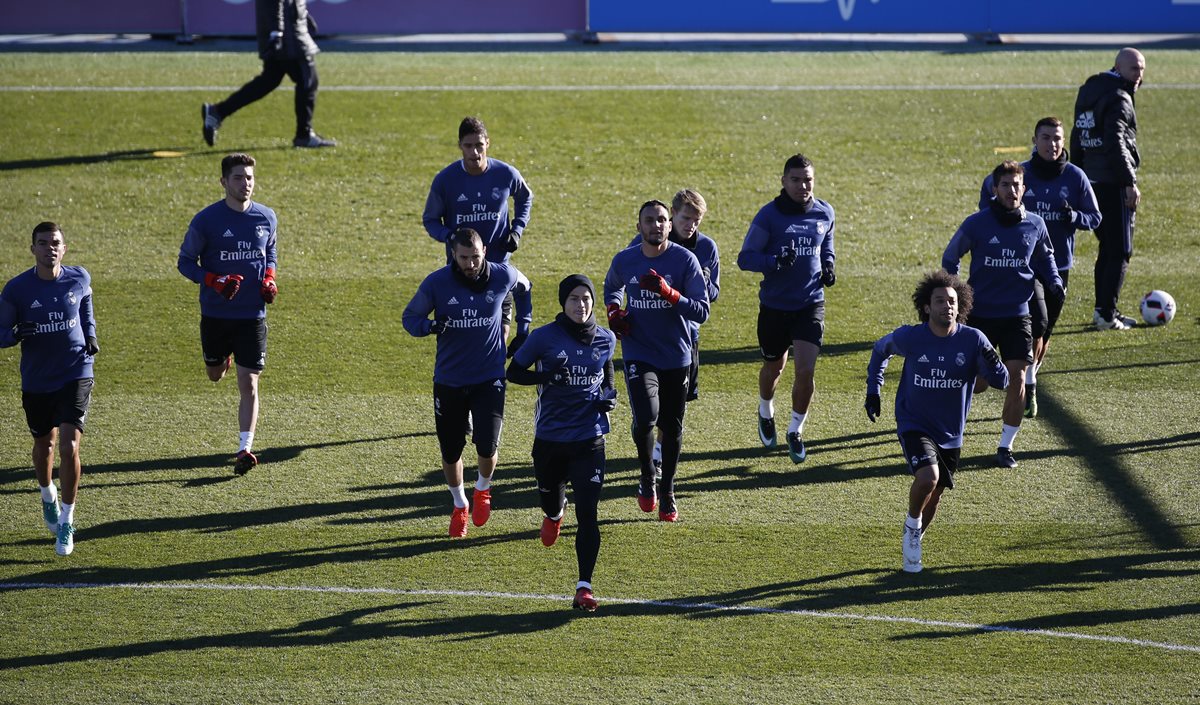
x=62, y=308
x=471, y=349
x=458, y=199
x=1004, y=261
x=224, y=241
x=567, y=412
x=938, y=380
x=705, y=249
x=660, y=333
x=798, y=286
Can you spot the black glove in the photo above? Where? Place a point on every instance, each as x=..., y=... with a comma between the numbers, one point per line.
x=513, y=241
x=517, y=341
x=93, y=348
x=828, y=278
x=873, y=407
x=991, y=357
x=604, y=406
x=558, y=375
x=1068, y=213
x=787, y=256
x=24, y=329
x=1056, y=296
x=438, y=326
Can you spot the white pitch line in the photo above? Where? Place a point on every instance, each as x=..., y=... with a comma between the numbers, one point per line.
x=669, y=604
x=582, y=88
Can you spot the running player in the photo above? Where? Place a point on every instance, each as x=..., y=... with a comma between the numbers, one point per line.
x=572, y=361
x=942, y=359
x=664, y=291
x=791, y=242
x=465, y=298
x=48, y=311
x=229, y=250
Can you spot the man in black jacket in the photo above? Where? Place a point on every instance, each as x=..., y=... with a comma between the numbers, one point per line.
x=286, y=48
x=1104, y=145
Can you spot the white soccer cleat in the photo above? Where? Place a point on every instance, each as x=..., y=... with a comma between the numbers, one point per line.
x=911, y=547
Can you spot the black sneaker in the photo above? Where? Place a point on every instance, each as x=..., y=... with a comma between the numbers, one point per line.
x=212, y=123
x=796, y=449
x=1030, y=401
x=313, y=141
x=1004, y=458
x=766, y=432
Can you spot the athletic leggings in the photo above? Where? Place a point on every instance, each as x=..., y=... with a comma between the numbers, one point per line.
x=657, y=398
x=582, y=464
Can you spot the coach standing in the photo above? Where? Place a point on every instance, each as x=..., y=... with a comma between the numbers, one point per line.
x=1104, y=145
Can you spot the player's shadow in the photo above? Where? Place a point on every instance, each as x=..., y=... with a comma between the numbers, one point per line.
x=380, y=624
x=123, y=155
x=210, y=461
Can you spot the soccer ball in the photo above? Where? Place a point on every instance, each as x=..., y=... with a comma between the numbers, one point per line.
x=1158, y=308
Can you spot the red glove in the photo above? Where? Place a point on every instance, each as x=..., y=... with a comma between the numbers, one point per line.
x=617, y=321
x=651, y=281
x=268, y=289
x=227, y=285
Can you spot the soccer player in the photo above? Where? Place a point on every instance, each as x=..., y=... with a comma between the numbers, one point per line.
x=1104, y=143
x=687, y=211
x=942, y=359
x=229, y=250
x=48, y=311
x=1059, y=192
x=465, y=298
x=665, y=292
x=286, y=47
x=473, y=193
x=1009, y=247
x=791, y=242
x=572, y=361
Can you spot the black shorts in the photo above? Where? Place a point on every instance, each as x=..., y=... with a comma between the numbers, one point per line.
x=244, y=338
x=45, y=412
x=921, y=451
x=1013, y=336
x=777, y=329
x=581, y=463
x=484, y=401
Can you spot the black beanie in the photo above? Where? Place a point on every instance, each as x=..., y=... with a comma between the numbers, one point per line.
x=570, y=283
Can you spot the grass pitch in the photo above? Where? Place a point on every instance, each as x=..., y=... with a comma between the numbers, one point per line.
x=325, y=574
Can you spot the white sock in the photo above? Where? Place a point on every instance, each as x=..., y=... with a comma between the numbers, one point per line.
x=49, y=492
x=583, y=584
x=247, y=440
x=766, y=408
x=483, y=483
x=459, y=494
x=797, y=424
x=1031, y=374
x=913, y=523
x=68, y=514
x=657, y=454
x=1008, y=435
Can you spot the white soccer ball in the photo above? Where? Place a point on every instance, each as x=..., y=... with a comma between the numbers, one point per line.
x=1158, y=308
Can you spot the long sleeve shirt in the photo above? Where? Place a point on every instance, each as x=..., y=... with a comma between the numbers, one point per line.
x=62, y=308
x=224, y=241
x=798, y=286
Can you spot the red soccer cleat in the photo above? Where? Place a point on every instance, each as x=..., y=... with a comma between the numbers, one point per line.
x=646, y=503
x=458, y=522
x=244, y=461
x=483, y=507
x=668, y=511
x=550, y=529
x=584, y=600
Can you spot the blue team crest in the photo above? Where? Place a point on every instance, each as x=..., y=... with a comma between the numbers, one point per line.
x=71, y=297
x=496, y=193
x=490, y=298
x=596, y=354
x=262, y=231
x=960, y=359
x=820, y=228
x=1027, y=239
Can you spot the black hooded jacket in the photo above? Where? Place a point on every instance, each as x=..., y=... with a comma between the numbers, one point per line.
x=1104, y=139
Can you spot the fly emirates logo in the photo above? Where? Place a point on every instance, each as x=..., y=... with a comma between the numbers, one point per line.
x=57, y=323
x=1008, y=259
x=471, y=319
x=937, y=379
x=245, y=250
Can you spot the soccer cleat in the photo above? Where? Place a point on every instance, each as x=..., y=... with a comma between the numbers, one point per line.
x=1004, y=458
x=584, y=600
x=483, y=507
x=212, y=123
x=796, y=449
x=66, y=539
x=766, y=431
x=1117, y=322
x=50, y=515
x=243, y=462
x=550, y=529
x=313, y=141
x=647, y=500
x=911, y=548
x=458, y=522
x=1030, y=401
x=1129, y=322
x=667, y=510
